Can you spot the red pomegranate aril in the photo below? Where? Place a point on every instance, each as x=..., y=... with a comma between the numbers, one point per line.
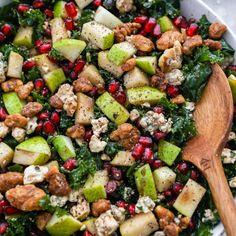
x=38, y=43
x=168, y=193
x=39, y=84
x=120, y=97
x=157, y=31
x=171, y=202
x=177, y=188
x=172, y=91
x=183, y=167
x=107, y=166
x=122, y=204
x=192, y=225
x=48, y=127
x=145, y=141
x=37, y=4
x=22, y=8
x=3, y=114
x=231, y=67
x=97, y=3
x=111, y=187
x=73, y=75
x=65, y=68
x=55, y=118
x=93, y=92
x=158, y=109
x=71, y=9
x=88, y=134
x=3, y=228
x=180, y=22
x=45, y=48
x=150, y=25
x=194, y=175
x=143, y=33
x=48, y=13
x=3, y=205
x=148, y=155
x=39, y=127
x=157, y=164
x=131, y=209
x=10, y=210
x=113, y=87
x=69, y=23
x=87, y=233
x=138, y=151
x=158, y=135
x=116, y=173
x=141, y=20
x=6, y=29
x=2, y=37
x=43, y=116
x=28, y=65
x=44, y=91
x=192, y=30
x=79, y=66
x=70, y=164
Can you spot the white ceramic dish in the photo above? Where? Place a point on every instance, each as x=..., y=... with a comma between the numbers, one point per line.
x=195, y=9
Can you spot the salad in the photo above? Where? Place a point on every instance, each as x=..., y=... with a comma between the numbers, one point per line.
x=96, y=104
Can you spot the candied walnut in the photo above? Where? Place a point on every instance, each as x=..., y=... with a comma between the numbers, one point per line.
x=216, y=30
x=11, y=84
x=31, y=109
x=171, y=230
x=168, y=39
x=129, y=65
x=16, y=120
x=178, y=99
x=10, y=180
x=184, y=222
x=213, y=44
x=158, y=80
x=24, y=91
x=127, y=135
x=76, y=131
x=42, y=220
x=191, y=43
x=142, y=43
x=165, y=216
x=56, y=102
x=124, y=6
x=29, y=99
x=125, y=29
x=25, y=198
x=100, y=207
x=83, y=85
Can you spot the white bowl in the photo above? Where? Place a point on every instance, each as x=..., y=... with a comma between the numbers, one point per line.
x=195, y=9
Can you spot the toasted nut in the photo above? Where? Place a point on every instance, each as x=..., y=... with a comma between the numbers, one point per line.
x=178, y=99
x=100, y=207
x=184, y=222
x=142, y=43
x=162, y=212
x=191, y=43
x=212, y=44
x=56, y=102
x=83, y=85
x=158, y=80
x=24, y=91
x=15, y=120
x=11, y=84
x=129, y=65
x=10, y=180
x=172, y=230
x=76, y=131
x=42, y=220
x=31, y=109
x=216, y=30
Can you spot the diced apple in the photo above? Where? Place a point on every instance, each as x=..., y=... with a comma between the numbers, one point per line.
x=59, y=9
x=33, y=151
x=24, y=37
x=123, y=158
x=138, y=96
x=70, y=48
x=6, y=155
x=112, y=109
x=232, y=83
x=90, y=225
x=15, y=63
x=103, y=16
x=64, y=147
x=143, y=224
x=12, y=103
x=164, y=177
x=54, y=79
x=58, y=29
x=94, y=188
x=51, y=164
x=135, y=78
x=64, y=225
x=98, y=34
x=147, y=64
x=188, y=200
x=83, y=3
x=105, y=64
x=165, y=24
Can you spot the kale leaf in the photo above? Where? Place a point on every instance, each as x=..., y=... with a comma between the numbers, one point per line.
x=55, y=54
x=86, y=16
x=45, y=203
x=16, y=168
x=7, y=13
x=65, y=122
x=204, y=24
x=7, y=48
x=40, y=99
x=203, y=230
x=31, y=75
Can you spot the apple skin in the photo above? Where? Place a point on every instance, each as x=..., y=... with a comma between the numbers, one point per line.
x=232, y=83
x=147, y=64
x=165, y=24
x=59, y=9
x=12, y=102
x=6, y=155
x=24, y=37
x=15, y=64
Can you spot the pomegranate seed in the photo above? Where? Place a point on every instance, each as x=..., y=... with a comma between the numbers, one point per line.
x=6, y=29
x=39, y=127
x=43, y=116
x=48, y=13
x=10, y=210
x=116, y=173
x=93, y=92
x=143, y=33
x=183, y=167
x=180, y=22
x=192, y=30
x=37, y=4
x=107, y=166
x=45, y=48
x=158, y=135
x=148, y=155
x=97, y=3
x=65, y=68
x=28, y=65
x=3, y=205
x=177, y=188
x=141, y=20
x=113, y=87
x=171, y=202
x=145, y=141
x=157, y=164
x=120, y=97
x=38, y=43
x=168, y=193
x=79, y=66
x=172, y=91
x=138, y=151
x=231, y=67
x=70, y=164
x=122, y=204
x=192, y=225
x=71, y=9
x=111, y=187
x=3, y=114
x=2, y=37
x=3, y=227
x=73, y=75
x=194, y=175
x=158, y=109
x=48, y=127
x=71, y=65
x=22, y=8
x=69, y=23
x=157, y=31
x=131, y=209
x=88, y=134
x=44, y=91
x=39, y=84
x=55, y=118
x=150, y=25
x=87, y=233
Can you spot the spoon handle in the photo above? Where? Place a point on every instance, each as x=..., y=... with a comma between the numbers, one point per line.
x=222, y=195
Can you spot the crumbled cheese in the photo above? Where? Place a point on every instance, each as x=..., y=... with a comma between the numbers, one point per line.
x=58, y=201
x=106, y=224
x=159, y=233
x=18, y=134
x=190, y=106
x=153, y=121
x=232, y=136
x=134, y=115
x=75, y=195
x=118, y=213
x=99, y=125
x=144, y=204
x=3, y=69
x=175, y=77
x=228, y=156
x=35, y=174
x=128, y=192
x=232, y=182
x=96, y=145
x=177, y=220
x=31, y=125
x=4, y=130
x=208, y=215
x=81, y=210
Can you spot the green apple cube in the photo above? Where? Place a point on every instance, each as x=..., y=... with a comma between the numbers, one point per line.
x=145, y=182
x=105, y=64
x=138, y=96
x=164, y=177
x=121, y=52
x=112, y=109
x=64, y=225
x=147, y=64
x=188, y=200
x=123, y=158
x=64, y=147
x=83, y=3
x=12, y=102
x=232, y=83
x=15, y=64
x=143, y=224
x=70, y=48
x=90, y=225
x=98, y=34
x=52, y=164
x=59, y=9
x=6, y=155
x=94, y=188
x=104, y=17
x=58, y=29
x=24, y=37
x=168, y=152
x=54, y=79
x=33, y=151
x=135, y=78
x=165, y=24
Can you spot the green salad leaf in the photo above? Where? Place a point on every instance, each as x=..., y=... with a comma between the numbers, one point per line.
x=204, y=24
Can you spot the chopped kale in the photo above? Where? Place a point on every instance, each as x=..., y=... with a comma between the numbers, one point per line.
x=204, y=24
x=16, y=168
x=10, y=141
x=31, y=75
x=203, y=230
x=86, y=16
x=7, y=48
x=112, y=148
x=65, y=122
x=55, y=54
x=40, y=99
x=75, y=34
x=46, y=204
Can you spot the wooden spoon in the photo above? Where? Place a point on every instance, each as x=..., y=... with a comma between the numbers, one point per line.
x=213, y=117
